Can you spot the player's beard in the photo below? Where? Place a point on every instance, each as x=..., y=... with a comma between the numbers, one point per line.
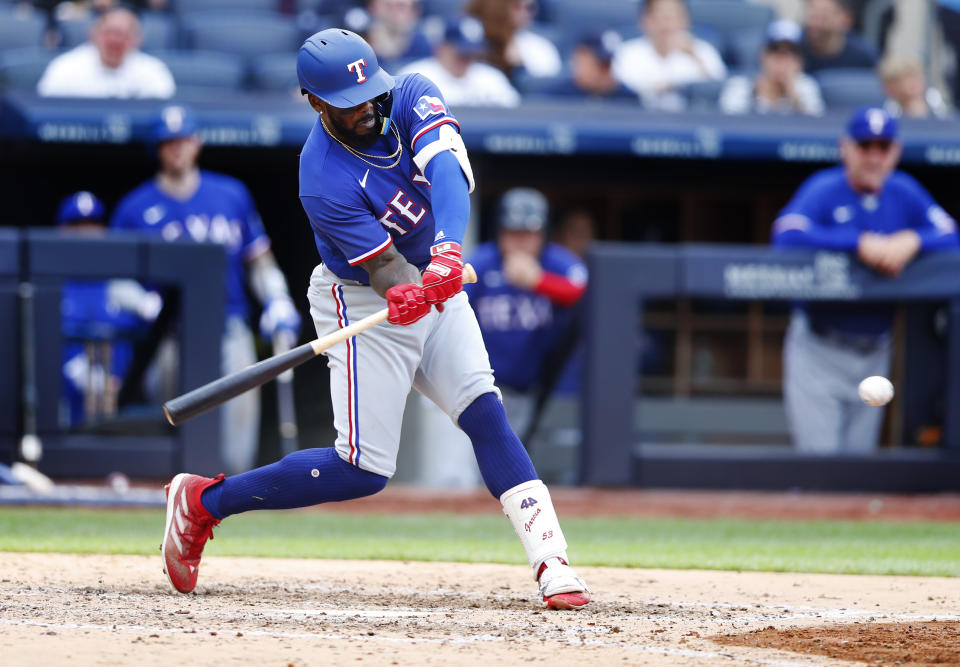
x=359, y=140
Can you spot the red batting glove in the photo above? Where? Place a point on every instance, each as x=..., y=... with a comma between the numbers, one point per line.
x=443, y=277
x=406, y=304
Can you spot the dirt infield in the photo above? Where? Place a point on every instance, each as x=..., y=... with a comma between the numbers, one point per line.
x=110, y=610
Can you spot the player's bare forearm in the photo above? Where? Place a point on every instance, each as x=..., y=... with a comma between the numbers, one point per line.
x=390, y=268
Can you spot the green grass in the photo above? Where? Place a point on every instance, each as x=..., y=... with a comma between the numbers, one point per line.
x=722, y=544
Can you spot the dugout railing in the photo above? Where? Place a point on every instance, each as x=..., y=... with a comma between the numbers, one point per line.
x=34, y=264
x=623, y=277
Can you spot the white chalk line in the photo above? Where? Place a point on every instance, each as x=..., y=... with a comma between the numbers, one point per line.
x=645, y=648
x=780, y=611
x=354, y=613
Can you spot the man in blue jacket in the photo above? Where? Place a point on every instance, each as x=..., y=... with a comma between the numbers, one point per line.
x=864, y=206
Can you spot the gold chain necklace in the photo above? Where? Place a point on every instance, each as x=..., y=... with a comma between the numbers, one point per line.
x=362, y=156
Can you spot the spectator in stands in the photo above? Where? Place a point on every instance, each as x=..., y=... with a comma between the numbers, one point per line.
x=591, y=71
x=907, y=92
x=524, y=298
x=110, y=64
x=456, y=69
x=780, y=86
x=186, y=203
x=99, y=320
x=513, y=46
x=828, y=41
x=948, y=18
x=668, y=57
x=884, y=218
x=391, y=27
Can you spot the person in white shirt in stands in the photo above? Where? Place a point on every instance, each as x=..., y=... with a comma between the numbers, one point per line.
x=110, y=64
x=456, y=69
x=657, y=65
x=780, y=86
x=908, y=94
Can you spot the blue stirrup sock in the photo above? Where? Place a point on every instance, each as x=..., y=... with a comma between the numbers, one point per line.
x=502, y=460
x=304, y=478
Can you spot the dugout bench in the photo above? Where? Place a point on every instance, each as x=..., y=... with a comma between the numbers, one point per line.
x=623, y=277
x=42, y=259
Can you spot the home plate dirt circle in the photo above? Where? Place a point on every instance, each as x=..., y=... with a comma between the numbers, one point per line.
x=105, y=610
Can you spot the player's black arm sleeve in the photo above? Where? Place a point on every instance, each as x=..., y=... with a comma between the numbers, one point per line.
x=390, y=268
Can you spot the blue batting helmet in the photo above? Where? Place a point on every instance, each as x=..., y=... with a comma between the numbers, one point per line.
x=173, y=122
x=340, y=68
x=523, y=210
x=79, y=206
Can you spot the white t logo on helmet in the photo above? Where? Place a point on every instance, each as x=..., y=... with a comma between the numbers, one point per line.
x=357, y=66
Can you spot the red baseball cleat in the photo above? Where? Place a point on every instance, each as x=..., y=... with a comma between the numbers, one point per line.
x=560, y=587
x=189, y=525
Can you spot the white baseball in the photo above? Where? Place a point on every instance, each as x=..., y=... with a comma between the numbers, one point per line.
x=875, y=390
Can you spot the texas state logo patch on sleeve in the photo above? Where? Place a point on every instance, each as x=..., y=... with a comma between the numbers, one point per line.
x=428, y=106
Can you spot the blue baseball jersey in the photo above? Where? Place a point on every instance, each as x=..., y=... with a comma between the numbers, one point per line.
x=86, y=315
x=519, y=326
x=220, y=211
x=86, y=312
x=827, y=213
x=356, y=209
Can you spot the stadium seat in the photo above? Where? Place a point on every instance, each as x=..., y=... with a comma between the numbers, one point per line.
x=21, y=28
x=743, y=48
x=703, y=95
x=845, y=88
x=238, y=6
x=576, y=18
x=538, y=86
x=159, y=31
x=74, y=32
x=444, y=8
x=20, y=69
x=274, y=72
x=196, y=69
x=736, y=24
x=711, y=35
x=728, y=16
x=246, y=35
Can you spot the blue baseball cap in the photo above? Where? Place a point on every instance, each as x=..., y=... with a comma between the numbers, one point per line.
x=79, y=206
x=173, y=122
x=466, y=35
x=603, y=44
x=869, y=123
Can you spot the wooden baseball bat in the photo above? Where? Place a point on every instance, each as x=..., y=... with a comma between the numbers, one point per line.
x=212, y=394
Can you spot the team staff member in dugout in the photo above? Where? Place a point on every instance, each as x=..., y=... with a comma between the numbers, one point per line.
x=523, y=297
x=884, y=216
x=185, y=202
x=384, y=180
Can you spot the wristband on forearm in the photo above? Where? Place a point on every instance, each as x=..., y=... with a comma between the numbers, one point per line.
x=559, y=289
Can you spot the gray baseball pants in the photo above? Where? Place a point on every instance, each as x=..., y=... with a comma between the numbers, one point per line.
x=820, y=380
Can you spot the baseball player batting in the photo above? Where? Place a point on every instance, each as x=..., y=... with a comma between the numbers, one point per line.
x=385, y=182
